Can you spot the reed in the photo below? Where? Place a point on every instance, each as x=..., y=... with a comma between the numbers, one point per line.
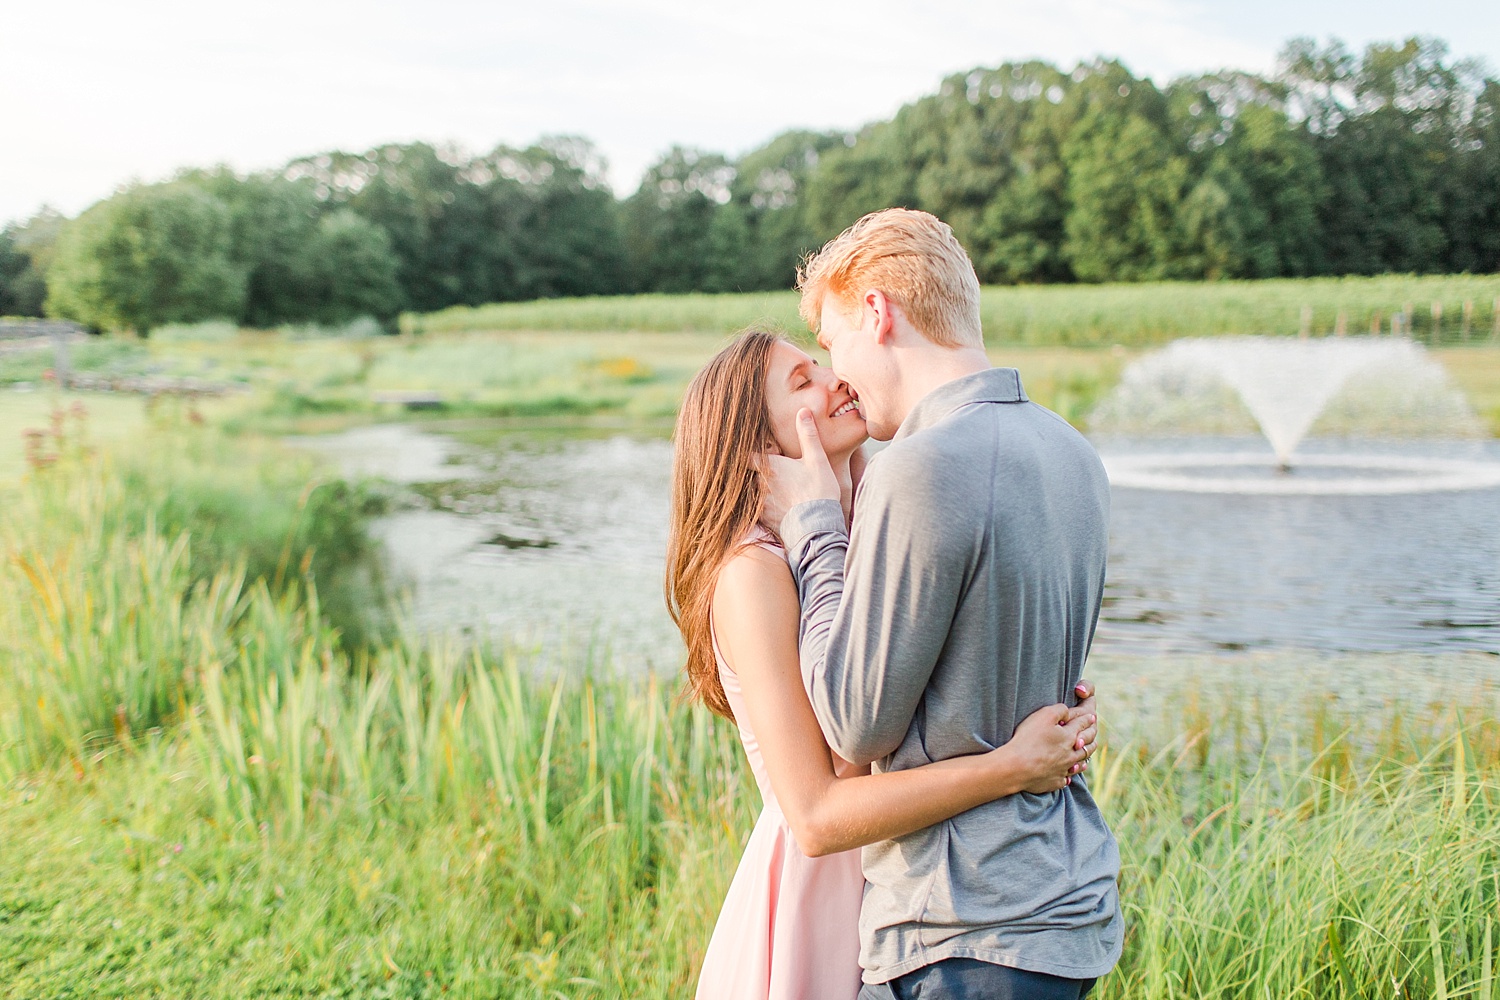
x=1346, y=857
x=205, y=793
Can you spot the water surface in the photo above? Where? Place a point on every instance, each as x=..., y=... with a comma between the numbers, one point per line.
x=554, y=538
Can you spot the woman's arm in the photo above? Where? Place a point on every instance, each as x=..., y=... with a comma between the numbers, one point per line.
x=755, y=616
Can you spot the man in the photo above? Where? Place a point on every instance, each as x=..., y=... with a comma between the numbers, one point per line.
x=963, y=598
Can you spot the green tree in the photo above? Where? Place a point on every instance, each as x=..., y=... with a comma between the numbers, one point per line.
x=868, y=174
x=669, y=220
x=1280, y=169
x=273, y=237
x=769, y=198
x=511, y=224
x=1474, y=221
x=437, y=225
x=1390, y=130
x=1253, y=210
x=1126, y=185
x=565, y=223
x=20, y=294
x=1021, y=232
x=355, y=270
x=26, y=251
x=149, y=255
x=1212, y=225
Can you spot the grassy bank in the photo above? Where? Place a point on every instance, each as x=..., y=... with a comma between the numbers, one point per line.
x=1448, y=309
x=321, y=385
x=206, y=794
x=309, y=385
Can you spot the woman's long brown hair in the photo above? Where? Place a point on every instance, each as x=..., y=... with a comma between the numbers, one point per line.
x=722, y=430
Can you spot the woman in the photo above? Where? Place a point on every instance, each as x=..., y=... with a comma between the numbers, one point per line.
x=789, y=925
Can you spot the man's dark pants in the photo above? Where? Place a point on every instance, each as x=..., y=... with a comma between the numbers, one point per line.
x=971, y=979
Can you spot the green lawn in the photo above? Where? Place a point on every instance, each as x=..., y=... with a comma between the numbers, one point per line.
x=632, y=356
x=1299, y=846
x=109, y=418
x=1476, y=370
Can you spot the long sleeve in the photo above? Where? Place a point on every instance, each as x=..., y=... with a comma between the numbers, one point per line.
x=876, y=606
x=963, y=597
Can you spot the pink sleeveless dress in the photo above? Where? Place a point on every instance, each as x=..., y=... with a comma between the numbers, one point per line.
x=789, y=928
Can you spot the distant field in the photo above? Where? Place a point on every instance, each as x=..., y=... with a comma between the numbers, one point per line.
x=1456, y=308
x=631, y=358
x=321, y=385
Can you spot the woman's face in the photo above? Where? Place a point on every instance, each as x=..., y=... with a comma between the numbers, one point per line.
x=794, y=380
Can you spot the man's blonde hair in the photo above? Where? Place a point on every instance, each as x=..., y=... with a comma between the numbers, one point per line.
x=914, y=259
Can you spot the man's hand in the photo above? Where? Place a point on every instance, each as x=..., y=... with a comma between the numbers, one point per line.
x=790, y=481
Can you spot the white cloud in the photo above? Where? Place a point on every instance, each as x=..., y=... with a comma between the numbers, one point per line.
x=95, y=93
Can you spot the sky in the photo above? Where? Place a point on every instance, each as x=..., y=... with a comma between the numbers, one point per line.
x=95, y=93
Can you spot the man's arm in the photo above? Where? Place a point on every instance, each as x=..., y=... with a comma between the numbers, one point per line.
x=870, y=642
x=875, y=612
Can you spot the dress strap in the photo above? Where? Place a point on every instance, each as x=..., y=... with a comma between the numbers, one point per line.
x=764, y=537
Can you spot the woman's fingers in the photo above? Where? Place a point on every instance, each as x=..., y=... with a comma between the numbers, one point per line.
x=1088, y=706
x=1081, y=748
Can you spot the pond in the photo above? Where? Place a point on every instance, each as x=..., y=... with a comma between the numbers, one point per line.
x=553, y=537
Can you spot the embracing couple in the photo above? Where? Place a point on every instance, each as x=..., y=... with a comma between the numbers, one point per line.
x=901, y=644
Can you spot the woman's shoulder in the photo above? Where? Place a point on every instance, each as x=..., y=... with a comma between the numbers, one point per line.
x=756, y=567
x=754, y=597
x=753, y=560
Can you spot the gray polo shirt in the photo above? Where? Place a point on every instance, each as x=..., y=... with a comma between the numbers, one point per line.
x=964, y=599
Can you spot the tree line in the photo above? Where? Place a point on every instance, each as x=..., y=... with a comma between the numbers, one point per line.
x=1337, y=163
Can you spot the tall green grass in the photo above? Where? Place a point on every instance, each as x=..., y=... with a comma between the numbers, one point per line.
x=1303, y=851
x=219, y=501
x=205, y=793
x=1447, y=309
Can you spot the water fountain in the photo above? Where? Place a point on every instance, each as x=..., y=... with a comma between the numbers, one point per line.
x=1352, y=388
x=1336, y=494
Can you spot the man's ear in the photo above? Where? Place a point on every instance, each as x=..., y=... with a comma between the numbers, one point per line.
x=882, y=313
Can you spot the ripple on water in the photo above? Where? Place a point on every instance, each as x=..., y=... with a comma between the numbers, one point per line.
x=556, y=542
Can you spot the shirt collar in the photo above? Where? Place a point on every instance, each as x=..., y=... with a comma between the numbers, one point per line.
x=993, y=385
